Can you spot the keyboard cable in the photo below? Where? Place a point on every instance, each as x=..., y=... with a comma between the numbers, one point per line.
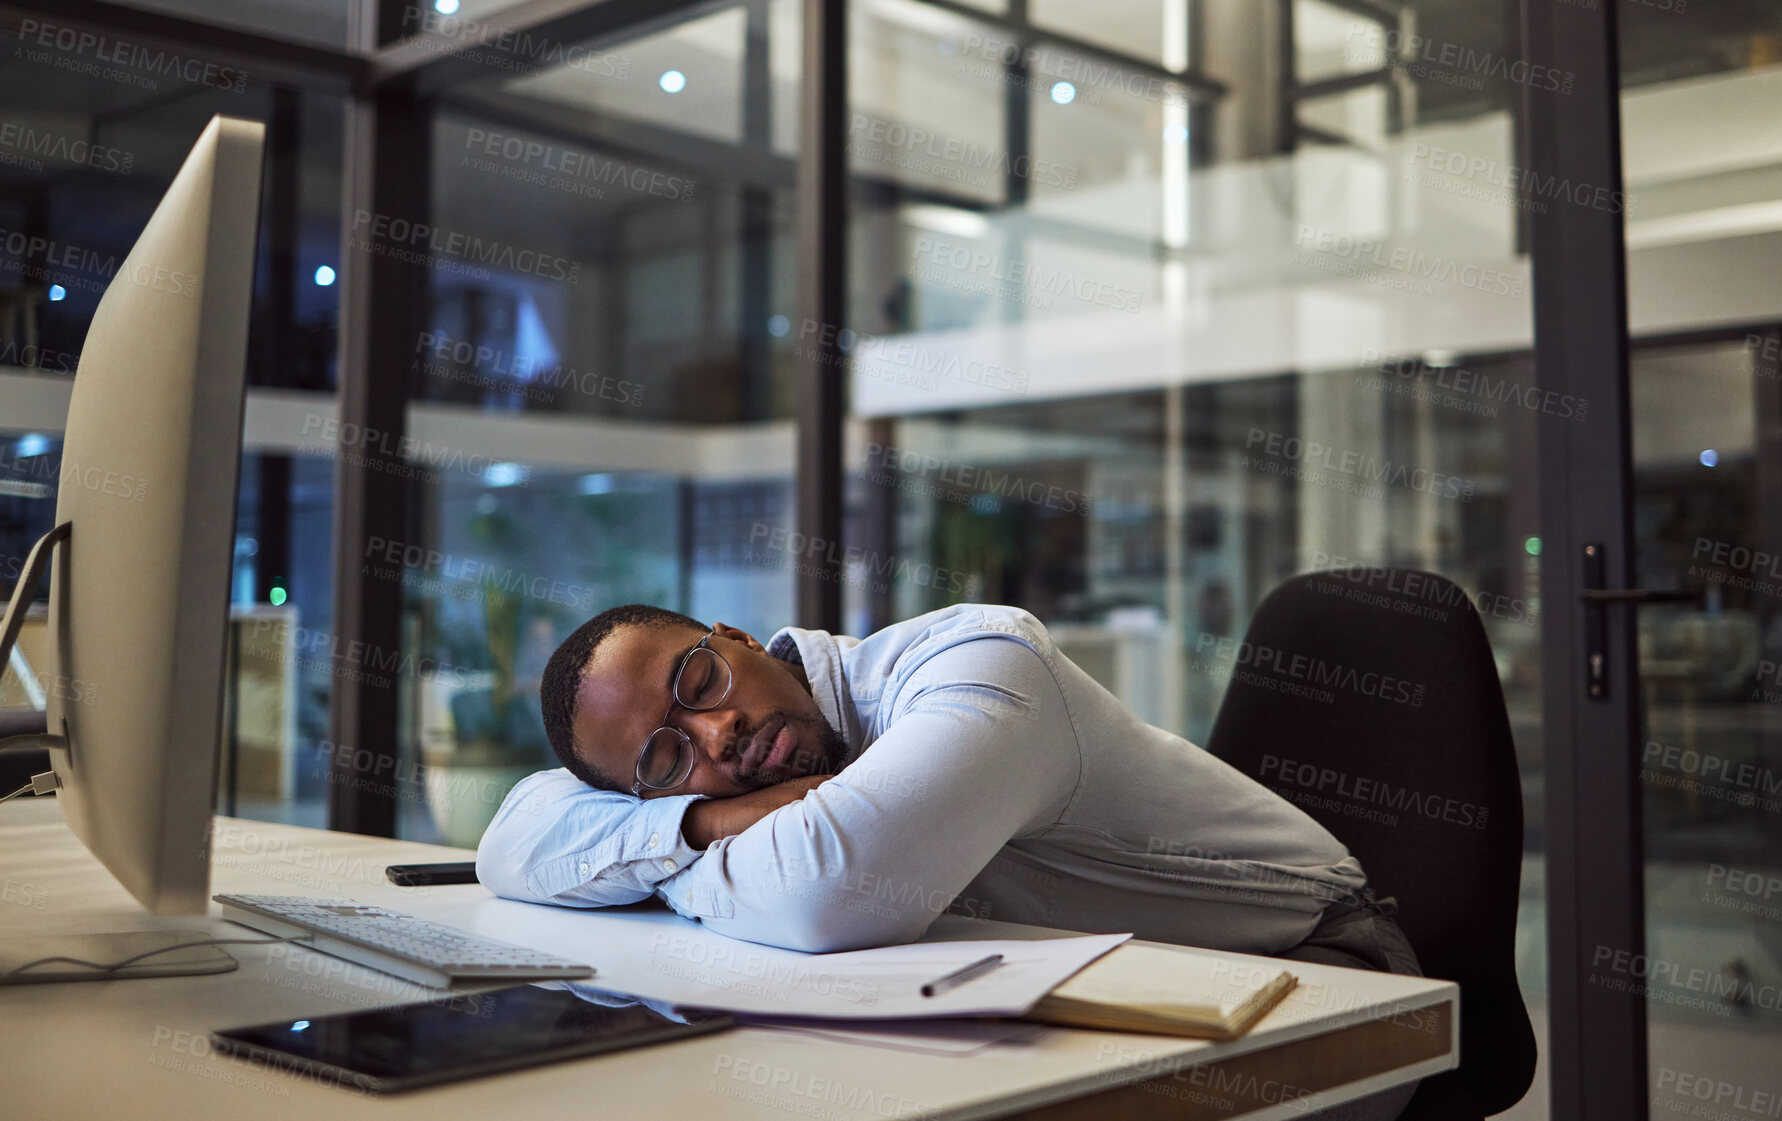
x=104, y=968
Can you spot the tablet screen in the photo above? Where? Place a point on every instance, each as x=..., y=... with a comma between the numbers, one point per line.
x=460, y=1035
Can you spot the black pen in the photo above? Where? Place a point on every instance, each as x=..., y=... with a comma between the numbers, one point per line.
x=961, y=976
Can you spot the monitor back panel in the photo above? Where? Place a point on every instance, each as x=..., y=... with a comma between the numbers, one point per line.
x=139, y=594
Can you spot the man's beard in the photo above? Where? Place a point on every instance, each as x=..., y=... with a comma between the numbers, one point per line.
x=832, y=748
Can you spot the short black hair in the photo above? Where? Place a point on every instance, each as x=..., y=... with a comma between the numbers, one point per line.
x=557, y=692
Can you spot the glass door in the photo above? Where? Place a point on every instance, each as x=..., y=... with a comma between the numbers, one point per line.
x=1706, y=457
x=1702, y=164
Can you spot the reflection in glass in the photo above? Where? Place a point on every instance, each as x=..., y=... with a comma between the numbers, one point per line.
x=600, y=379
x=1130, y=358
x=1701, y=195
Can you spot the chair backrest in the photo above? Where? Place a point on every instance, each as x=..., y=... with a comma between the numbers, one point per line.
x=1369, y=697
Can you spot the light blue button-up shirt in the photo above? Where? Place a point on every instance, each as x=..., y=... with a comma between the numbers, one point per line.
x=986, y=774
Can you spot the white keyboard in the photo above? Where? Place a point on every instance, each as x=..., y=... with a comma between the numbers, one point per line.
x=422, y=951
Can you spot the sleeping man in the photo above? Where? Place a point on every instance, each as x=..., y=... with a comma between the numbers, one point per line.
x=828, y=793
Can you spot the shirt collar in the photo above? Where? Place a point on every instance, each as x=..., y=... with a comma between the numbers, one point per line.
x=820, y=655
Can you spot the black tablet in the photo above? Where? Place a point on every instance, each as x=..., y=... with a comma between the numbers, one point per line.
x=460, y=1035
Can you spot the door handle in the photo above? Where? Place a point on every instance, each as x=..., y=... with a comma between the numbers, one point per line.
x=1596, y=598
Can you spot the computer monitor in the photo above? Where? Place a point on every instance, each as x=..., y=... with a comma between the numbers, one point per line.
x=145, y=515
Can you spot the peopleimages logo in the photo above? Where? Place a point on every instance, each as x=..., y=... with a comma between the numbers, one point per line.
x=1487, y=392
x=1027, y=278
x=1311, y=671
x=1415, y=52
x=1369, y=468
x=1225, y=1087
x=1366, y=583
x=879, y=353
x=1372, y=791
x=948, y=157
x=47, y=260
x=548, y=165
x=1732, y=1096
x=1411, y=263
x=489, y=367
x=1094, y=77
x=743, y=960
x=1652, y=976
x=382, y=450
x=1518, y=182
x=1737, y=557
x=402, y=239
x=55, y=146
x=34, y=357
x=322, y=652
x=402, y=556
x=813, y=555
x=119, y=52
x=887, y=464
x=505, y=48
x=68, y=474
x=1766, y=353
x=808, y=1095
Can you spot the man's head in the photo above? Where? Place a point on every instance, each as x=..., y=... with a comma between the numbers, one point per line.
x=606, y=688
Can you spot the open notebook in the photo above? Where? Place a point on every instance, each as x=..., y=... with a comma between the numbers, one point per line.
x=1166, y=992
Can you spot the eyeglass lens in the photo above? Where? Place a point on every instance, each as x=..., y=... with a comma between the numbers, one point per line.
x=703, y=682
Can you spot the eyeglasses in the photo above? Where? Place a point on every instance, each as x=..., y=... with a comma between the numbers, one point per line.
x=701, y=683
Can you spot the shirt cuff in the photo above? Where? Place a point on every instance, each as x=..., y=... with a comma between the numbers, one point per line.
x=700, y=891
x=655, y=837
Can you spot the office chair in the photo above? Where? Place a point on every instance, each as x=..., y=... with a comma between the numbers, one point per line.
x=1431, y=751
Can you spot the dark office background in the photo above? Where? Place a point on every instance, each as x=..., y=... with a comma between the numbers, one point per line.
x=1050, y=313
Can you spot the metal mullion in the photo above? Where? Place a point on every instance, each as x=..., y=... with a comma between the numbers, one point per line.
x=1286, y=137
x=275, y=346
x=1343, y=83
x=822, y=300
x=1017, y=150
x=1017, y=128
x=384, y=172
x=1767, y=529
x=755, y=220
x=745, y=164
x=1597, y=1031
x=1199, y=86
x=1367, y=9
x=306, y=66
x=1303, y=132
x=524, y=38
x=740, y=163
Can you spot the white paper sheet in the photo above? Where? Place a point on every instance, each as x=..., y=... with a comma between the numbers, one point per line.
x=927, y=1037
x=659, y=955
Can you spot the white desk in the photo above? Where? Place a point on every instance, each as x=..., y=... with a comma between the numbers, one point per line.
x=138, y=1048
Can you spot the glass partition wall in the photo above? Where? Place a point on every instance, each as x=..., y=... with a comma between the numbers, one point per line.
x=1145, y=307
x=1703, y=168
x=86, y=152
x=1140, y=331
x=609, y=405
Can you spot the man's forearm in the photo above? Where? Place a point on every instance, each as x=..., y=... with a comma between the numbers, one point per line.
x=711, y=819
x=557, y=840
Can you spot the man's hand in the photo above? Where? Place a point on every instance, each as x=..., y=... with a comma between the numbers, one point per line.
x=709, y=819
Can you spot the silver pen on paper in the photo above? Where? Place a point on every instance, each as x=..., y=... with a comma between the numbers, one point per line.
x=961, y=976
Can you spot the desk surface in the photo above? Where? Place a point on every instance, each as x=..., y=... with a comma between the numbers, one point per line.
x=140, y=1047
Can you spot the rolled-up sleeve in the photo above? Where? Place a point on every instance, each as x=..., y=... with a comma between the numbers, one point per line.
x=556, y=839
x=981, y=752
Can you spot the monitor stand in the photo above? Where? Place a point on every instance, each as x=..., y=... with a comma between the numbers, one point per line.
x=14, y=621
x=101, y=948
